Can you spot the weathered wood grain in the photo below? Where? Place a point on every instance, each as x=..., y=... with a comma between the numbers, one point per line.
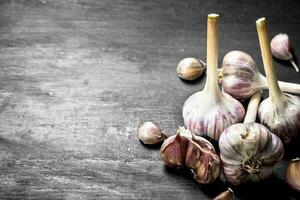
x=77, y=77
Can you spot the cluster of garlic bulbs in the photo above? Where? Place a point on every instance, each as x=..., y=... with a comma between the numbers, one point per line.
x=248, y=150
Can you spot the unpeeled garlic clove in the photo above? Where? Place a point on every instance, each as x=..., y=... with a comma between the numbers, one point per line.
x=150, y=133
x=190, y=68
x=226, y=195
x=282, y=48
x=293, y=174
x=196, y=154
x=173, y=151
x=204, y=163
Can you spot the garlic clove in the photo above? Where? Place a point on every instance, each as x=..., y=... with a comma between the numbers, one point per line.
x=293, y=174
x=226, y=195
x=190, y=68
x=150, y=133
x=173, y=151
x=281, y=48
x=195, y=153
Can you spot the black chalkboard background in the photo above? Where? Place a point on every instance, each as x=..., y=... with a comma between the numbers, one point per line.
x=78, y=77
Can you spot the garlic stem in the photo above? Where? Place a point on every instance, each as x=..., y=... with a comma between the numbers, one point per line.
x=284, y=86
x=252, y=107
x=275, y=92
x=294, y=65
x=212, y=55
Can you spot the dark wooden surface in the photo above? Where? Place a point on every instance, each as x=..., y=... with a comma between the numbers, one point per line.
x=77, y=78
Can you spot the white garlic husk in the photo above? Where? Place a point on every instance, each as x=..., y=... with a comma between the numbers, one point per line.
x=210, y=111
x=241, y=79
x=190, y=68
x=282, y=48
x=248, y=152
x=281, y=116
x=150, y=133
x=280, y=112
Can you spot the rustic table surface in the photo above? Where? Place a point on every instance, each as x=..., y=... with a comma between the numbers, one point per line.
x=78, y=77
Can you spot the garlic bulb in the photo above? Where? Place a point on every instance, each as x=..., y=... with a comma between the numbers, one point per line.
x=293, y=174
x=190, y=68
x=282, y=48
x=241, y=79
x=226, y=195
x=210, y=111
x=150, y=133
x=280, y=112
x=249, y=150
x=194, y=152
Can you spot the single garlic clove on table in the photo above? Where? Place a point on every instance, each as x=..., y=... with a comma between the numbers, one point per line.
x=150, y=133
x=282, y=48
x=190, y=69
x=293, y=174
x=226, y=195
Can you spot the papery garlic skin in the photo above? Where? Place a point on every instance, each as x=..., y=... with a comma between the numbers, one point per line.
x=211, y=116
x=226, y=195
x=173, y=151
x=281, y=117
x=190, y=69
x=281, y=47
x=150, y=133
x=195, y=153
x=241, y=79
x=248, y=152
x=292, y=174
x=240, y=75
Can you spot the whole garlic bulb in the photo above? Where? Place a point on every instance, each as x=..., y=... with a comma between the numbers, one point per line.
x=248, y=152
x=194, y=152
x=150, y=133
x=280, y=112
x=190, y=68
x=241, y=79
x=210, y=111
x=281, y=116
x=282, y=48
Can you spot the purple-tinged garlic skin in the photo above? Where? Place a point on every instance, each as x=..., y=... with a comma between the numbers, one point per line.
x=150, y=133
x=240, y=75
x=206, y=116
x=281, y=47
x=194, y=152
x=241, y=79
x=248, y=152
x=283, y=119
x=173, y=151
x=190, y=68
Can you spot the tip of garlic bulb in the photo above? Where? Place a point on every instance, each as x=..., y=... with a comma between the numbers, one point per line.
x=213, y=16
x=261, y=20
